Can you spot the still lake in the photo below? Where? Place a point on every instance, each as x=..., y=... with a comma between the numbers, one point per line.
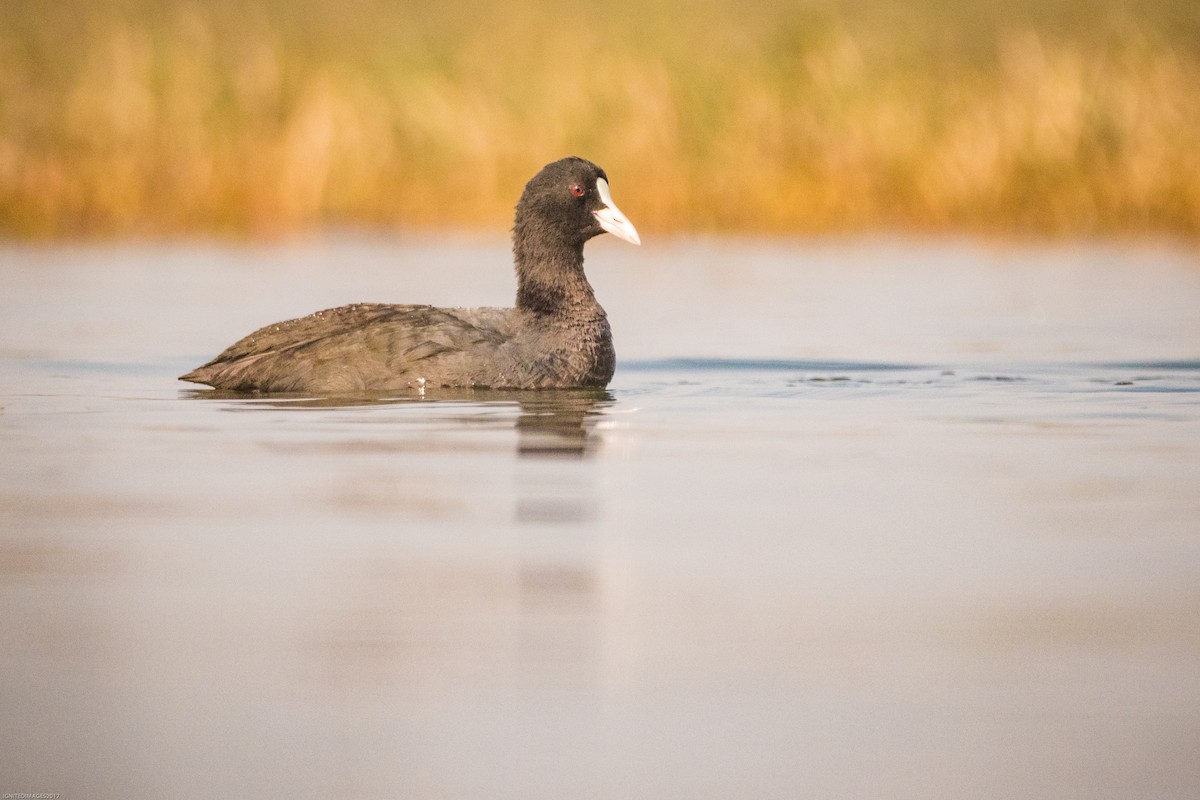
x=879, y=517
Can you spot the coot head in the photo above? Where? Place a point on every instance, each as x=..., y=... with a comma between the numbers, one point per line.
x=569, y=202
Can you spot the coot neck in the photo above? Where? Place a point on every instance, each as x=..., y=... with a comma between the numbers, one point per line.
x=550, y=279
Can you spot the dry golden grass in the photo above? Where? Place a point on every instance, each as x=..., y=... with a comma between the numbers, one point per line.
x=151, y=117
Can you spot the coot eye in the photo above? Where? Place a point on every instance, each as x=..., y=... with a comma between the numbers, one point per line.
x=577, y=190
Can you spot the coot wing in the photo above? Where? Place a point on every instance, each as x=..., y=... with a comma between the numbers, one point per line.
x=349, y=348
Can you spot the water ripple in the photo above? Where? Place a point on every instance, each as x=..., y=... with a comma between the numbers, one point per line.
x=759, y=365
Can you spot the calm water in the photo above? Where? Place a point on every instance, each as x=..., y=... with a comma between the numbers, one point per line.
x=878, y=518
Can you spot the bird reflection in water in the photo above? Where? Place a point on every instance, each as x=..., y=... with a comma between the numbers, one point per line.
x=397, y=616
x=556, y=423
x=550, y=422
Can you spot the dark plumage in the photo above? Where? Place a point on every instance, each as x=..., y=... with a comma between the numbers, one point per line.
x=556, y=336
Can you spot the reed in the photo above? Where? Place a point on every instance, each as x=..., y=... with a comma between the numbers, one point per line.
x=142, y=117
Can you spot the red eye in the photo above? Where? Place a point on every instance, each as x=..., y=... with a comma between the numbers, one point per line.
x=577, y=190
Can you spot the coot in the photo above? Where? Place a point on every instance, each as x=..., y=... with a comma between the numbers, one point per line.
x=556, y=336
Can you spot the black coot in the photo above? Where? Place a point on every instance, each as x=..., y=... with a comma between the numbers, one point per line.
x=557, y=336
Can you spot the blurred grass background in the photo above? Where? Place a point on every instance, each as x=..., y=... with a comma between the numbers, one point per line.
x=1018, y=116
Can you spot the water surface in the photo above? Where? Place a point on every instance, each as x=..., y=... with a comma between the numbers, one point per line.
x=873, y=518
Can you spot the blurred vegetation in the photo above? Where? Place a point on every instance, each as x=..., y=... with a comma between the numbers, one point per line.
x=1044, y=116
